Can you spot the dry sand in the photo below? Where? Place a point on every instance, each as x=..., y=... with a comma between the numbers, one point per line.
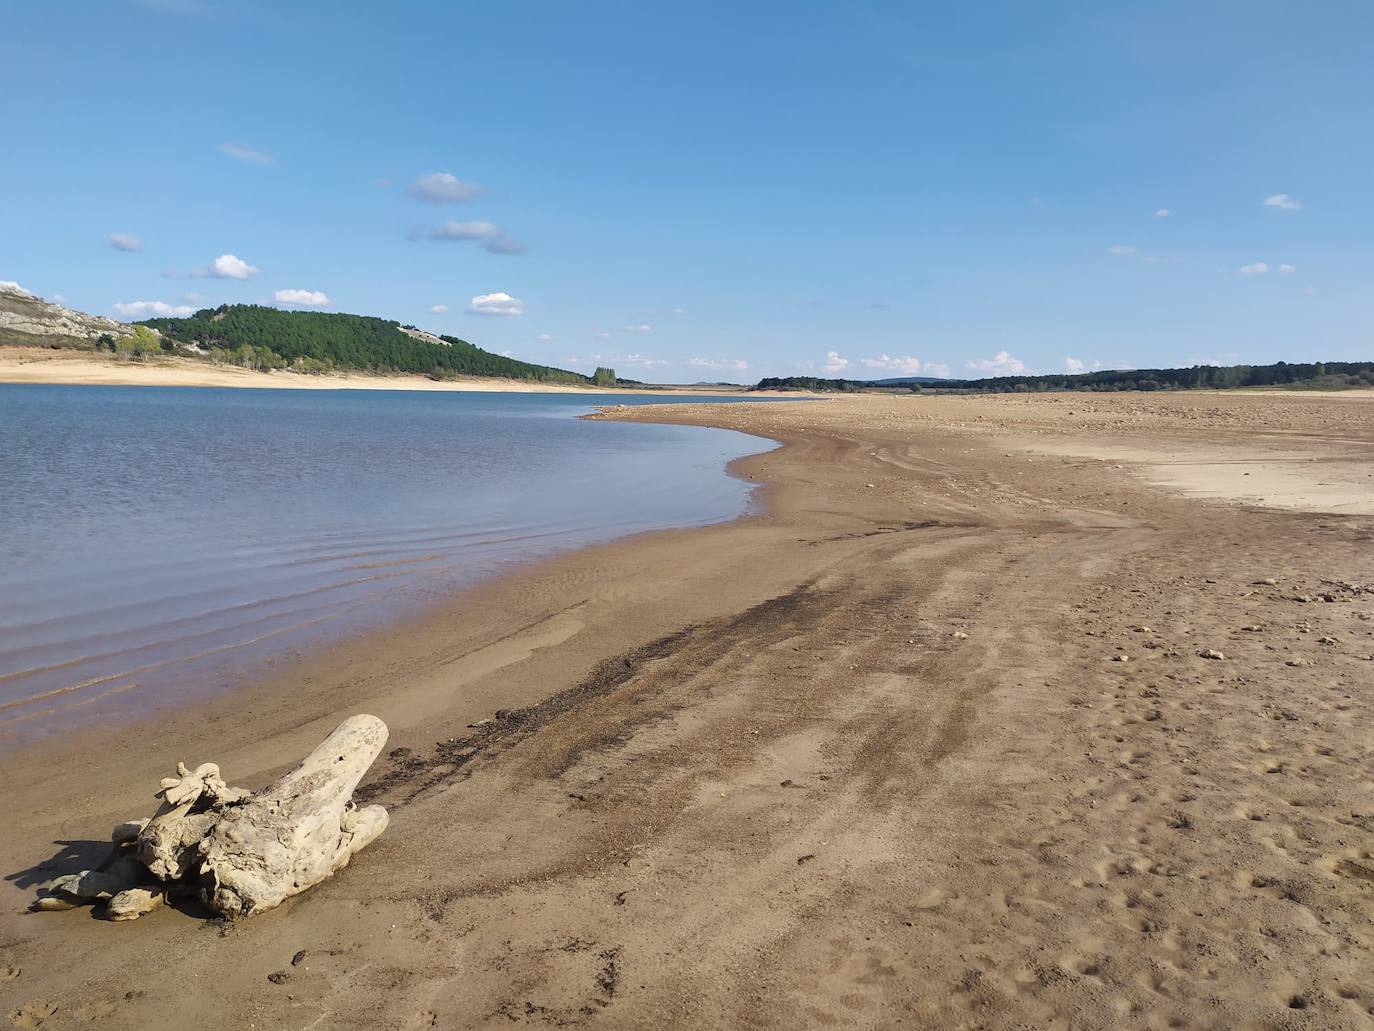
x=929, y=741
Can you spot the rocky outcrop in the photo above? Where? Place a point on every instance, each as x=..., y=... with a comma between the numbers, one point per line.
x=29, y=320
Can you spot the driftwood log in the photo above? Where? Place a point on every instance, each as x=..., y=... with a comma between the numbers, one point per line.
x=242, y=852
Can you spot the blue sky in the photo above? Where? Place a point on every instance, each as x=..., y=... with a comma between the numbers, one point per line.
x=713, y=190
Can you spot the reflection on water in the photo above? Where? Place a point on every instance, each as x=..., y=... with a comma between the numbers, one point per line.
x=159, y=542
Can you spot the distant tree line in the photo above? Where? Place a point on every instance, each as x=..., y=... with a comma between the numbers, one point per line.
x=259, y=337
x=1198, y=377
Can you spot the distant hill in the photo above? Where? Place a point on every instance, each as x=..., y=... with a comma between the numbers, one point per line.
x=1335, y=375
x=28, y=320
x=315, y=341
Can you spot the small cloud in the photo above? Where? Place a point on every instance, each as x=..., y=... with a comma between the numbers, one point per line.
x=835, y=362
x=438, y=309
x=496, y=304
x=228, y=266
x=491, y=236
x=1259, y=268
x=1162, y=213
x=546, y=337
x=248, y=155
x=1000, y=364
x=1283, y=202
x=1288, y=269
x=57, y=298
x=640, y=328
x=639, y=361
x=307, y=298
x=679, y=311
x=734, y=364
x=125, y=242
x=905, y=365
x=1121, y=250
x=1072, y=364
x=149, y=309
x=603, y=336
x=443, y=188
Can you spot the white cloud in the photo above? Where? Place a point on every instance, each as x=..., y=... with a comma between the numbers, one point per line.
x=1288, y=269
x=1000, y=364
x=679, y=311
x=1121, y=249
x=545, y=336
x=1283, y=202
x=9, y=286
x=1163, y=213
x=496, y=304
x=491, y=236
x=438, y=309
x=125, y=242
x=443, y=188
x=308, y=298
x=247, y=154
x=603, y=336
x=57, y=298
x=147, y=309
x=905, y=365
x=736, y=364
x=835, y=362
x=639, y=361
x=641, y=328
x=1072, y=364
x=228, y=266
x=1259, y=268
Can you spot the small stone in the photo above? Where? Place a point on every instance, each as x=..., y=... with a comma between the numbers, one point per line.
x=279, y=977
x=298, y=958
x=959, y=635
x=1211, y=653
x=1253, y=628
x=1328, y=640
x=1121, y=658
x=1297, y=662
x=1268, y=581
x=1143, y=629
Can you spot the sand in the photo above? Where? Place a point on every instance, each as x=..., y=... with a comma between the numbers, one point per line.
x=46, y=365
x=928, y=741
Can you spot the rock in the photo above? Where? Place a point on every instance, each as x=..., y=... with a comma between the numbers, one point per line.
x=1211, y=653
x=959, y=635
x=298, y=958
x=1297, y=662
x=1253, y=628
x=1268, y=581
x=279, y=977
x=1121, y=658
x=1328, y=640
x=1143, y=629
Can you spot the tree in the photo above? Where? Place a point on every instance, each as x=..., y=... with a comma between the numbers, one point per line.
x=604, y=377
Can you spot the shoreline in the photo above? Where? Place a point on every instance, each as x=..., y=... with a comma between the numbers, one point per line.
x=37, y=365
x=913, y=636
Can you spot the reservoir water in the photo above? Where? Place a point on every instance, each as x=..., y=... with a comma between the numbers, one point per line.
x=157, y=542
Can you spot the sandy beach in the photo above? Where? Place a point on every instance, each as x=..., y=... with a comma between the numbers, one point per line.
x=931, y=739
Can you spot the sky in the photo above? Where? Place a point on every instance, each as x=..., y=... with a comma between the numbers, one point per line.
x=713, y=190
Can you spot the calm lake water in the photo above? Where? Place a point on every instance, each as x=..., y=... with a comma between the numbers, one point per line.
x=161, y=542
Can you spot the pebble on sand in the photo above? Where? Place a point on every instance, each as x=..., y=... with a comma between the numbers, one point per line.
x=1211, y=653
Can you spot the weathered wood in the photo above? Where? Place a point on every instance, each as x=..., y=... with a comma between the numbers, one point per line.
x=296, y=832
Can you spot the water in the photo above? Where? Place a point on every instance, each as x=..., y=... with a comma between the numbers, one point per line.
x=157, y=543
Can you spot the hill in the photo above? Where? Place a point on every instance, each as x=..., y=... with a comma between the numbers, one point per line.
x=311, y=341
x=1332, y=375
x=28, y=320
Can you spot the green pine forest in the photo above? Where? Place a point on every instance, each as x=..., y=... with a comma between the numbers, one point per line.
x=259, y=337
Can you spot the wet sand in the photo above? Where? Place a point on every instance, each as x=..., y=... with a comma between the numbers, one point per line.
x=929, y=741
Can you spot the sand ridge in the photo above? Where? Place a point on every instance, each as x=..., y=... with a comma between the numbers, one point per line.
x=933, y=739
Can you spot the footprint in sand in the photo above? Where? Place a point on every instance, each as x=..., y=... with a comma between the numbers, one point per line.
x=33, y=1014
